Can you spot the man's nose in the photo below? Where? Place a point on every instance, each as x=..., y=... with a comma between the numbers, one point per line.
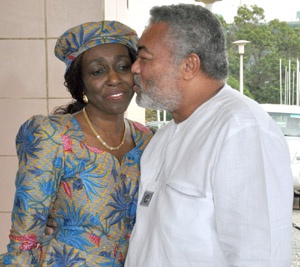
x=135, y=66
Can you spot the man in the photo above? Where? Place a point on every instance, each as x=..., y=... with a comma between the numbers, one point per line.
x=216, y=185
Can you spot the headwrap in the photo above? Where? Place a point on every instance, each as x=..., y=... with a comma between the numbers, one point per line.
x=85, y=36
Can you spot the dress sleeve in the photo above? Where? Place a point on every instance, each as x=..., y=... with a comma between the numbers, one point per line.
x=253, y=191
x=40, y=163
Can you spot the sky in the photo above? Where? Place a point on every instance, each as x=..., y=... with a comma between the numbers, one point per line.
x=285, y=10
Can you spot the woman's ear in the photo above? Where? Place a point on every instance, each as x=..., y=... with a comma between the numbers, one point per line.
x=191, y=66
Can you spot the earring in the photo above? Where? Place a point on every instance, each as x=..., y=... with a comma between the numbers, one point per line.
x=85, y=99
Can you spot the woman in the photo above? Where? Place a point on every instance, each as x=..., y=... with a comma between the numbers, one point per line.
x=81, y=165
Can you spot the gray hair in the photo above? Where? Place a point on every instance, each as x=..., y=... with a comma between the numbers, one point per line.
x=194, y=29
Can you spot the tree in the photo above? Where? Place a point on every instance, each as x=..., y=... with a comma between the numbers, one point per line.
x=269, y=42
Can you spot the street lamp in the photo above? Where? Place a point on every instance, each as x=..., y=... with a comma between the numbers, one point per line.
x=208, y=3
x=241, y=44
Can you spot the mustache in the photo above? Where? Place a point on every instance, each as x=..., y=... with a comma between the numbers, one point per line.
x=136, y=80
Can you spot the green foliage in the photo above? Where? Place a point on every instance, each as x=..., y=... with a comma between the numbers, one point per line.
x=235, y=84
x=248, y=16
x=269, y=43
x=151, y=115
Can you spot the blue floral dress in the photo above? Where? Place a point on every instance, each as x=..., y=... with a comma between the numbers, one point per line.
x=91, y=196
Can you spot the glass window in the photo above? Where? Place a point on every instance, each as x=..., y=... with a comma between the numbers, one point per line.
x=288, y=122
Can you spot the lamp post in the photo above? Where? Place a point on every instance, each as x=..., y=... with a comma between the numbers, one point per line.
x=208, y=3
x=241, y=45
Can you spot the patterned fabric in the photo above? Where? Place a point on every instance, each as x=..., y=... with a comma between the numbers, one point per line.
x=91, y=196
x=85, y=36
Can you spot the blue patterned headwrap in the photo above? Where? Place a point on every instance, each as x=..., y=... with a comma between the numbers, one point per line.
x=85, y=36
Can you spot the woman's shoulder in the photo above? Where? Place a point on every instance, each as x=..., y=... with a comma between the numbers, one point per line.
x=139, y=126
x=51, y=124
x=140, y=133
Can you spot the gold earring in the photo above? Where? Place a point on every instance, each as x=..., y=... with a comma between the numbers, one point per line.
x=85, y=99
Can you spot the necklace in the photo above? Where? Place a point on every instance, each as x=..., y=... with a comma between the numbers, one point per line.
x=99, y=137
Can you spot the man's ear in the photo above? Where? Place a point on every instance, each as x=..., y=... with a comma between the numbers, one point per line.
x=191, y=66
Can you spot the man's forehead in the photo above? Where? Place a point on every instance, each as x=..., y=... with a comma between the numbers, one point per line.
x=153, y=34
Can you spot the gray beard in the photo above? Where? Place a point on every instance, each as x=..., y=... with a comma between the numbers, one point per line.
x=146, y=101
x=169, y=99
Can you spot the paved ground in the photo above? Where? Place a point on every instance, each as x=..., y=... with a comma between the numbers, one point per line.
x=296, y=234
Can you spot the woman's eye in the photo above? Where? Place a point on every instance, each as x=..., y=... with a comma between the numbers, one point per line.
x=124, y=67
x=98, y=72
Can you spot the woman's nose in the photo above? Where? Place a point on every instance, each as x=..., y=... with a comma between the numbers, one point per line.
x=113, y=77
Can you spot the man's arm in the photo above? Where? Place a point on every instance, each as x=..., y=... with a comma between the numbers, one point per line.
x=253, y=192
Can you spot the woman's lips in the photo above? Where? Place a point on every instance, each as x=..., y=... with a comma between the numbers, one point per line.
x=116, y=96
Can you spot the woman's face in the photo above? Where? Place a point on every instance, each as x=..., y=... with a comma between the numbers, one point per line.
x=107, y=77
